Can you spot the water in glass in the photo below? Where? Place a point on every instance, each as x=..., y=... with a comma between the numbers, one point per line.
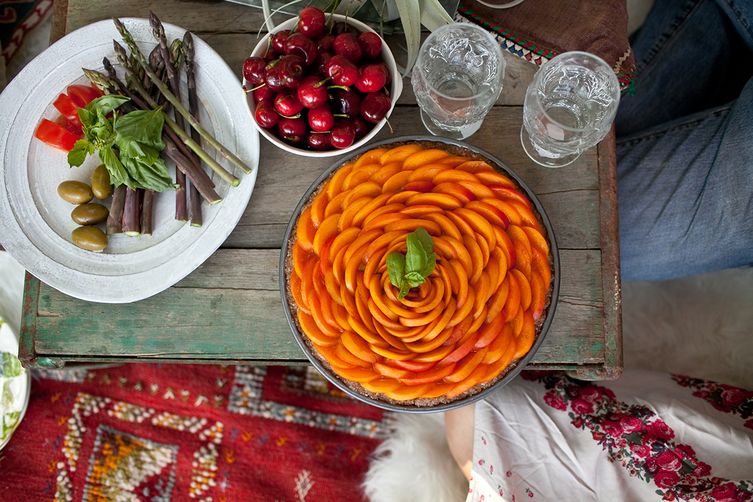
x=457, y=78
x=568, y=108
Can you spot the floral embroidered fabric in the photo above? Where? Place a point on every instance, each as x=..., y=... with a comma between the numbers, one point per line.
x=647, y=436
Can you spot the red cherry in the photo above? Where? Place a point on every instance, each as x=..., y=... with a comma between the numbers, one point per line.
x=346, y=102
x=346, y=45
x=325, y=43
x=254, y=69
x=312, y=92
x=321, y=119
x=360, y=126
x=265, y=115
x=311, y=22
x=371, y=44
x=301, y=45
x=372, y=77
x=343, y=135
x=263, y=93
x=341, y=71
x=287, y=104
x=321, y=62
x=318, y=141
x=278, y=41
x=273, y=76
x=292, y=130
x=287, y=72
x=375, y=107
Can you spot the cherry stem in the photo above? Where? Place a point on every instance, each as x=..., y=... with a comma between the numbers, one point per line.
x=296, y=116
x=341, y=115
x=343, y=87
x=254, y=88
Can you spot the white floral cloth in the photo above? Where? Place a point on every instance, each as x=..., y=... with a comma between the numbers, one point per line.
x=648, y=436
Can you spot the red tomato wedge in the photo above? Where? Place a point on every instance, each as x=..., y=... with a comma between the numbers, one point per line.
x=73, y=126
x=81, y=95
x=56, y=135
x=65, y=106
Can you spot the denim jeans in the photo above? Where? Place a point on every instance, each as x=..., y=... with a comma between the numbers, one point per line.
x=685, y=142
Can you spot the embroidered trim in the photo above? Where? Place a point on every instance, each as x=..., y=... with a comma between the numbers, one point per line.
x=723, y=397
x=639, y=440
x=530, y=51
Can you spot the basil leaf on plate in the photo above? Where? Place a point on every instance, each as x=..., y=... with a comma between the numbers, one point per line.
x=143, y=126
x=115, y=169
x=78, y=154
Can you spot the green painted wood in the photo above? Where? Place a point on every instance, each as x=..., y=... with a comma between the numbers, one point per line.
x=27, y=338
x=243, y=319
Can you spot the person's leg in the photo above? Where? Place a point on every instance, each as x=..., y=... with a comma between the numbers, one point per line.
x=685, y=192
x=690, y=56
x=458, y=424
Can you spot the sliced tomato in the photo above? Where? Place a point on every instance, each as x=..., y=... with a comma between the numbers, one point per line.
x=65, y=106
x=81, y=95
x=73, y=126
x=56, y=135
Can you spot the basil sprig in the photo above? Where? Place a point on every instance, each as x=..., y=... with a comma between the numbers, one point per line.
x=129, y=145
x=411, y=269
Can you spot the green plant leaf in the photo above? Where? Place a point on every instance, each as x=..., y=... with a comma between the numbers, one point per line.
x=115, y=169
x=410, y=17
x=149, y=175
x=404, y=289
x=416, y=257
x=415, y=279
x=105, y=105
x=11, y=366
x=143, y=126
x=431, y=263
x=433, y=14
x=396, y=268
x=78, y=154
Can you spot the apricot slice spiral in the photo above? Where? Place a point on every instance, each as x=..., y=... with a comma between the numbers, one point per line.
x=474, y=316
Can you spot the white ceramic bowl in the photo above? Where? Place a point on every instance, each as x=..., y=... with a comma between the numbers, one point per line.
x=396, y=87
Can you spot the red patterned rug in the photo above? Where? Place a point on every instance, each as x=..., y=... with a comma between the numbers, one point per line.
x=189, y=432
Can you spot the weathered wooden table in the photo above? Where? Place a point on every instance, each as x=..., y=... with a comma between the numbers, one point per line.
x=229, y=311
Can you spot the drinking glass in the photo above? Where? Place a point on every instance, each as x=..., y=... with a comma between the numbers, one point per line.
x=569, y=107
x=457, y=79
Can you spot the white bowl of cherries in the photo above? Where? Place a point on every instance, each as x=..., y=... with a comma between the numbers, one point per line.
x=321, y=85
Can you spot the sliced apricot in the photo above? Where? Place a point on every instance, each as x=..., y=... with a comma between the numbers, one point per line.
x=430, y=376
x=335, y=183
x=423, y=157
x=399, y=154
x=442, y=200
x=525, y=340
x=370, y=157
x=454, y=176
x=475, y=166
x=466, y=366
x=305, y=230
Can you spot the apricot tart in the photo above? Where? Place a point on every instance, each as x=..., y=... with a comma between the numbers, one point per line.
x=476, y=314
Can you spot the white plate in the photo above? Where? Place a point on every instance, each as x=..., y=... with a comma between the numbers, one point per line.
x=35, y=224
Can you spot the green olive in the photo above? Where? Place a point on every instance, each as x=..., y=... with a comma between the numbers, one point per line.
x=90, y=238
x=101, y=183
x=75, y=192
x=89, y=214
